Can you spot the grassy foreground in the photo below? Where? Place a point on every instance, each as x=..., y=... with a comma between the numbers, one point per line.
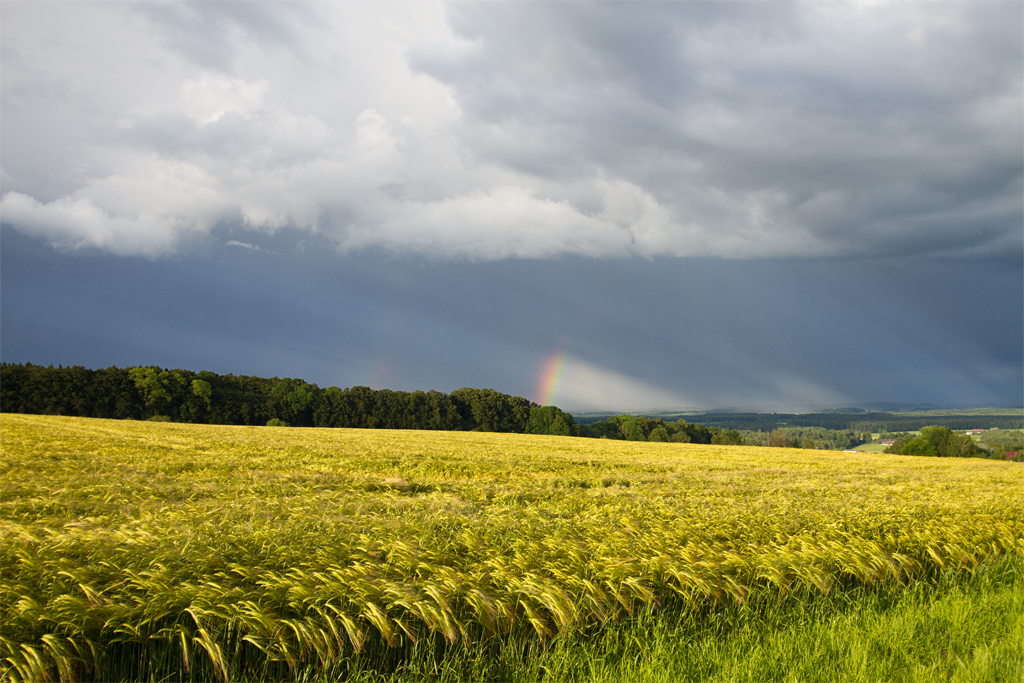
x=166, y=551
x=965, y=627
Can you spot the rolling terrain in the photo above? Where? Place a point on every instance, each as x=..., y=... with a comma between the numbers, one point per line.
x=136, y=550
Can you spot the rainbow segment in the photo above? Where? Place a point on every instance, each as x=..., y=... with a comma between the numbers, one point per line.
x=551, y=375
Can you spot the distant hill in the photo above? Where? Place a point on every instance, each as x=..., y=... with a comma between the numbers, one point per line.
x=889, y=407
x=860, y=420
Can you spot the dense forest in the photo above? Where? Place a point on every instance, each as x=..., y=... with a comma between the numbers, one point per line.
x=150, y=393
x=806, y=437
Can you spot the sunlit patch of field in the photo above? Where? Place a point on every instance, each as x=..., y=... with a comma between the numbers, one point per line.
x=227, y=550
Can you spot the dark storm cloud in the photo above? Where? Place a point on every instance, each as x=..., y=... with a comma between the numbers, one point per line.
x=497, y=130
x=856, y=130
x=697, y=333
x=202, y=31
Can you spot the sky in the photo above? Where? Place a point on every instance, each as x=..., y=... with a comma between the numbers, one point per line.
x=602, y=206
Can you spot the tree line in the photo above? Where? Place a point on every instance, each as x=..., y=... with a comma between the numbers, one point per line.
x=639, y=428
x=806, y=437
x=152, y=393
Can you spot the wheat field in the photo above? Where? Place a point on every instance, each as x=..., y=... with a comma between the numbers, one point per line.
x=149, y=550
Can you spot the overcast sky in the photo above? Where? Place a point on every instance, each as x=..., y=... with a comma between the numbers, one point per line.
x=605, y=206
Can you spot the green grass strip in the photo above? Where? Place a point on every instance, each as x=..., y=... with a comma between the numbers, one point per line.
x=965, y=627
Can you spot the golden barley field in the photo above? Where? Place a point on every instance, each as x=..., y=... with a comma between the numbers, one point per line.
x=217, y=549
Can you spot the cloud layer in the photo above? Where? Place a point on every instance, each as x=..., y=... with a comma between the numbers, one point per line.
x=492, y=130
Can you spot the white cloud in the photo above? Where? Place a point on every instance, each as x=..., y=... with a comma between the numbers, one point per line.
x=75, y=223
x=498, y=131
x=207, y=98
x=242, y=245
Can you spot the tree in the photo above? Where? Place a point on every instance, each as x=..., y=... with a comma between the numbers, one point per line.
x=659, y=434
x=936, y=441
x=728, y=437
x=203, y=390
x=486, y=410
x=162, y=390
x=695, y=433
x=551, y=420
x=153, y=391
x=630, y=429
x=778, y=439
